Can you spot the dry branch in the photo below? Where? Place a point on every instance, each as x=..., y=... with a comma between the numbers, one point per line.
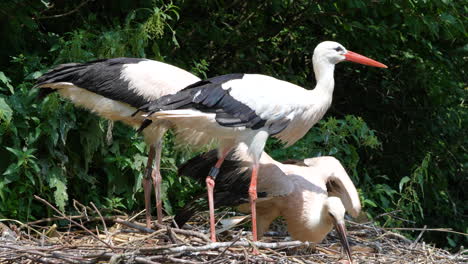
x=66, y=13
x=72, y=221
x=446, y=230
x=218, y=245
x=176, y=230
x=75, y=217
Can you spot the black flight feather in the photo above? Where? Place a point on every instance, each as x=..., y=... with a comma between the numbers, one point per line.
x=209, y=96
x=103, y=77
x=144, y=125
x=45, y=92
x=232, y=182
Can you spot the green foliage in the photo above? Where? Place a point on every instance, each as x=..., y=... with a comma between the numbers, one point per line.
x=400, y=132
x=339, y=138
x=411, y=187
x=6, y=82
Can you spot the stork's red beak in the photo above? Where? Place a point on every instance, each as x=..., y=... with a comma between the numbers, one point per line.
x=341, y=229
x=358, y=58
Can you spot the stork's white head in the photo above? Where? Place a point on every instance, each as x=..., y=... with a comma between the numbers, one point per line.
x=333, y=53
x=336, y=212
x=336, y=209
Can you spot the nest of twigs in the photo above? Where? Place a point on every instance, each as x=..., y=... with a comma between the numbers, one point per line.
x=124, y=239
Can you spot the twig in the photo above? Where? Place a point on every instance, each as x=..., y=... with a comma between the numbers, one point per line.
x=157, y=232
x=176, y=230
x=74, y=222
x=135, y=216
x=67, y=13
x=177, y=260
x=21, y=225
x=133, y=225
x=186, y=232
x=102, y=218
x=246, y=255
x=145, y=260
x=91, y=219
x=171, y=235
x=419, y=237
x=447, y=230
x=84, y=208
x=218, y=245
x=224, y=251
x=392, y=213
x=394, y=235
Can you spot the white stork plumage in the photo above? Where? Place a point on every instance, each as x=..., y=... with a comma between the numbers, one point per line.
x=115, y=89
x=311, y=195
x=248, y=108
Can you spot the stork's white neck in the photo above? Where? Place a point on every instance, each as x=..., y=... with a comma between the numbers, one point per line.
x=324, y=70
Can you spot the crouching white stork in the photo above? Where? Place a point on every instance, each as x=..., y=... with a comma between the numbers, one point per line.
x=248, y=108
x=115, y=89
x=311, y=195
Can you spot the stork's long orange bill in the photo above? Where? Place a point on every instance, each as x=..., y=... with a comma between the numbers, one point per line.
x=358, y=58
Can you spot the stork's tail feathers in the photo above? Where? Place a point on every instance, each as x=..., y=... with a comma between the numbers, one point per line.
x=189, y=210
x=232, y=182
x=68, y=72
x=198, y=167
x=62, y=73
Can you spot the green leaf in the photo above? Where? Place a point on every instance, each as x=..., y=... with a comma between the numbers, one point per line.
x=451, y=242
x=58, y=181
x=18, y=153
x=60, y=194
x=370, y=203
x=3, y=190
x=13, y=168
x=5, y=111
x=174, y=40
x=403, y=181
x=448, y=18
x=33, y=75
x=30, y=177
x=6, y=81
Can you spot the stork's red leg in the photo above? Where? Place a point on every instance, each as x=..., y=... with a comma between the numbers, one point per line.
x=253, y=199
x=156, y=175
x=147, y=185
x=210, y=183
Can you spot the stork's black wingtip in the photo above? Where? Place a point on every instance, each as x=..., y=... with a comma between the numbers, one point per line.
x=134, y=113
x=44, y=92
x=144, y=125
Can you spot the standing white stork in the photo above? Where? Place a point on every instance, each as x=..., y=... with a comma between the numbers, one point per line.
x=248, y=108
x=311, y=195
x=115, y=89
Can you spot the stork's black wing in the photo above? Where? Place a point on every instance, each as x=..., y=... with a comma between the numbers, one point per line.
x=103, y=77
x=210, y=96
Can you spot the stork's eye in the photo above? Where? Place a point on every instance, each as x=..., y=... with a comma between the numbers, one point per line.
x=339, y=49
